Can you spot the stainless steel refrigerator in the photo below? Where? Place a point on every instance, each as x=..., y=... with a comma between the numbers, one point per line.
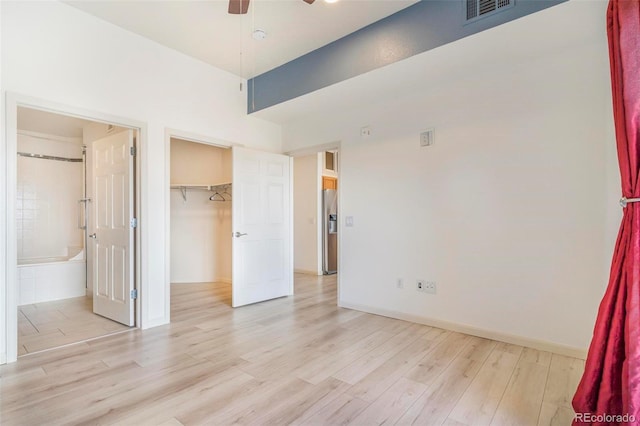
x=330, y=231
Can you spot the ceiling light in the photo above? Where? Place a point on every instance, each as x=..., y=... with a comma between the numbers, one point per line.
x=259, y=35
x=330, y=1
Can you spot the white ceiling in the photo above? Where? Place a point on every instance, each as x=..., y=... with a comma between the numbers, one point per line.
x=204, y=29
x=49, y=123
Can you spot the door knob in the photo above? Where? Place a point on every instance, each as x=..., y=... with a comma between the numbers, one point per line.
x=92, y=236
x=239, y=234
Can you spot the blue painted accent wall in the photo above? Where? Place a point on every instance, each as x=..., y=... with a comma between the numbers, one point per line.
x=421, y=27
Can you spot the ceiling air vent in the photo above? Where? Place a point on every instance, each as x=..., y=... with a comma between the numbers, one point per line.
x=476, y=9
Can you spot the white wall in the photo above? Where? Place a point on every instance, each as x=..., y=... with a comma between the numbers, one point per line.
x=3, y=224
x=54, y=52
x=200, y=228
x=306, y=187
x=197, y=163
x=47, y=197
x=509, y=212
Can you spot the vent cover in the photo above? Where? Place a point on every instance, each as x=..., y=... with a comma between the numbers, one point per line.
x=476, y=9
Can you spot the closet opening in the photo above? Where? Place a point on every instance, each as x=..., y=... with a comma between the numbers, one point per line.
x=200, y=222
x=75, y=210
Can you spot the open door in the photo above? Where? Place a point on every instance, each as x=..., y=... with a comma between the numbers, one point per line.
x=111, y=262
x=261, y=210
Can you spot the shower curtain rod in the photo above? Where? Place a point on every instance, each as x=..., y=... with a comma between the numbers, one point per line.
x=50, y=157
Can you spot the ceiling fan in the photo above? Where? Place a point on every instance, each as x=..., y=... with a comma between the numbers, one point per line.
x=240, y=7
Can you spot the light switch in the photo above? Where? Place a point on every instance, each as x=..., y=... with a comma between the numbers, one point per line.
x=348, y=221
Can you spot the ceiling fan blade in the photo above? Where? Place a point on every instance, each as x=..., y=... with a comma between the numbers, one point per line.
x=238, y=7
x=309, y=1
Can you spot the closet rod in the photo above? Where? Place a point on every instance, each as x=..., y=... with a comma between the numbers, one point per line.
x=183, y=188
x=50, y=157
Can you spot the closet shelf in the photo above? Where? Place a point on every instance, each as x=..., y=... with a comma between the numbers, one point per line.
x=186, y=187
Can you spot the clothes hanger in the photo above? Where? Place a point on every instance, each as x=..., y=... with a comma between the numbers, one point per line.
x=217, y=194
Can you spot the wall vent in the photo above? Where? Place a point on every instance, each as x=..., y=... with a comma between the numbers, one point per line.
x=476, y=9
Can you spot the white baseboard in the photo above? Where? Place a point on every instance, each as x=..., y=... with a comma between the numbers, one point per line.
x=156, y=322
x=474, y=331
x=306, y=272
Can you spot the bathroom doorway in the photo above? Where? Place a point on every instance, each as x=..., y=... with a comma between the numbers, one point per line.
x=75, y=228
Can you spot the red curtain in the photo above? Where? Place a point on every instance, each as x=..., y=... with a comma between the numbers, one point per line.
x=610, y=385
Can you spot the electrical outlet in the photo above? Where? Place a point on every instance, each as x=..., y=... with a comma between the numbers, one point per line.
x=427, y=138
x=426, y=286
x=430, y=287
x=365, y=132
x=400, y=283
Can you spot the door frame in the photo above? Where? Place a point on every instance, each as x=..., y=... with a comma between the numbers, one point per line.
x=190, y=137
x=8, y=256
x=316, y=149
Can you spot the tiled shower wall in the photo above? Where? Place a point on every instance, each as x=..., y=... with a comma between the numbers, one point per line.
x=47, y=197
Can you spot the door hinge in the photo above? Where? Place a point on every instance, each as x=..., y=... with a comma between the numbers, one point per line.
x=134, y=293
x=134, y=222
x=132, y=150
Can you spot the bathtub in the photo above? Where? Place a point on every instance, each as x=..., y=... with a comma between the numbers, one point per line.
x=44, y=279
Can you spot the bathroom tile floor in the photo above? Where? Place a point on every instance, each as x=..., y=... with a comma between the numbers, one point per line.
x=49, y=325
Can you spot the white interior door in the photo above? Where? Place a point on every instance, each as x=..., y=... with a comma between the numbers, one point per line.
x=111, y=260
x=262, y=266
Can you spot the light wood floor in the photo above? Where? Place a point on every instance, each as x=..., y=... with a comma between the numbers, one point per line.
x=49, y=325
x=297, y=360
